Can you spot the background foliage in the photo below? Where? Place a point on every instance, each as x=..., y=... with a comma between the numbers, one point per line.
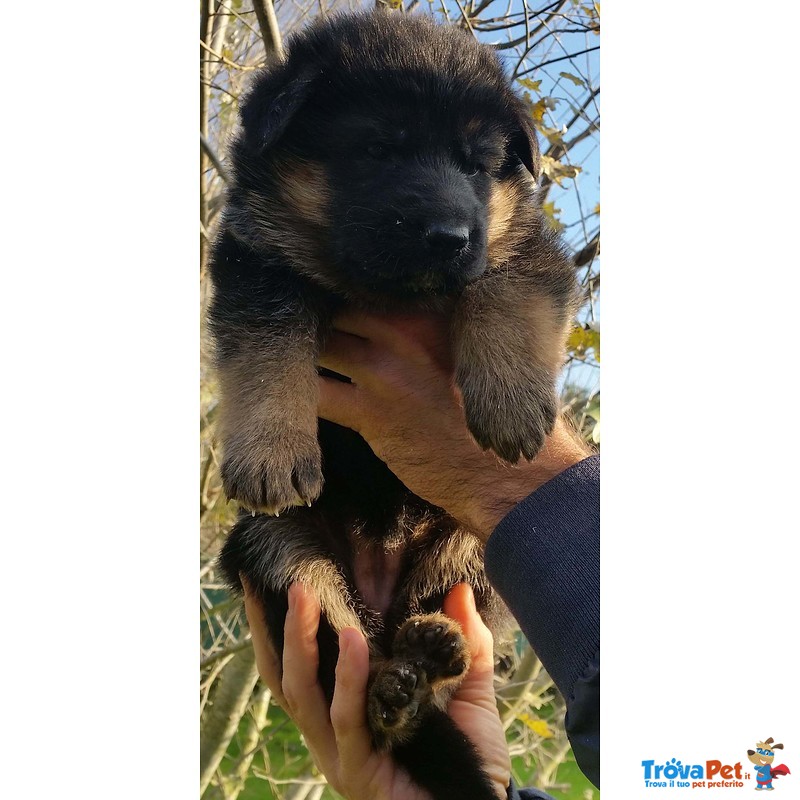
x=249, y=748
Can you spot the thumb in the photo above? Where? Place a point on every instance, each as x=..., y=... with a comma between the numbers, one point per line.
x=460, y=606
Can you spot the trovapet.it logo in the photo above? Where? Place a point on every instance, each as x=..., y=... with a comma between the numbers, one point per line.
x=717, y=774
x=674, y=774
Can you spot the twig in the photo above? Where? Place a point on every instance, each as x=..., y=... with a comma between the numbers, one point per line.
x=231, y=697
x=466, y=18
x=554, y=60
x=225, y=60
x=235, y=648
x=234, y=781
x=268, y=23
x=209, y=151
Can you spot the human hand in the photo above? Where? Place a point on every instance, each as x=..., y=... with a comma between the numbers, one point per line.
x=404, y=403
x=339, y=738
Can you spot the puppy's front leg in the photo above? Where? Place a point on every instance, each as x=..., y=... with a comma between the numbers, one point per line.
x=268, y=414
x=509, y=337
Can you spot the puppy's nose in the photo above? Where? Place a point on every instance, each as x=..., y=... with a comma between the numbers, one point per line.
x=447, y=241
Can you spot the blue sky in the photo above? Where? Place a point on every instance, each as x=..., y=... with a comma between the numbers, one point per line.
x=580, y=195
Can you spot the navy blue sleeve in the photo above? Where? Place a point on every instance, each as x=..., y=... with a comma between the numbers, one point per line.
x=544, y=560
x=526, y=794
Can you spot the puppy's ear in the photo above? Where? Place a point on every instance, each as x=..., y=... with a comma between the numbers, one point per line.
x=272, y=102
x=523, y=142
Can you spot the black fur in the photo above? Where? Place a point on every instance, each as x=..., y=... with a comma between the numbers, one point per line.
x=363, y=175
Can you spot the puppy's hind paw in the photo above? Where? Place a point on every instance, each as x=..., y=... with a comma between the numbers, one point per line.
x=397, y=697
x=434, y=642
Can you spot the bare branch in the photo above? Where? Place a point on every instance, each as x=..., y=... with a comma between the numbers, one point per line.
x=213, y=158
x=231, y=697
x=465, y=18
x=589, y=253
x=554, y=60
x=225, y=60
x=268, y=23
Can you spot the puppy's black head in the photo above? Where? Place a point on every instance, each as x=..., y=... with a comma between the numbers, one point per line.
x=392, y=143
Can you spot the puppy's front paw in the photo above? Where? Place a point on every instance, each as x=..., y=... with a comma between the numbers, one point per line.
x=274, y=473
x=511, y=413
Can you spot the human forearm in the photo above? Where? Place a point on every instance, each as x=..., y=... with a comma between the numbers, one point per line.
x=543, y=559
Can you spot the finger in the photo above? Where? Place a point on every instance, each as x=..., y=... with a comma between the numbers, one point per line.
x=269, y=666
x=348, y=355
x=304, y=696
x=460, y=606
x=349, y=707
x=405, y=335
x=339, y=402
x=365, y=326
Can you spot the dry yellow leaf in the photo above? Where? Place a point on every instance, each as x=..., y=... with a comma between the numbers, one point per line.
x=538, y=726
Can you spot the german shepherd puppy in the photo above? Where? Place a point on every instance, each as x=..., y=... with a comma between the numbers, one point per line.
x=387, y=165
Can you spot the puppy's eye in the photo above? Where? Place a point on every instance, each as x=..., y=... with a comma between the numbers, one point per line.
x=378, y=150
x=472, y=163
x=473, y=168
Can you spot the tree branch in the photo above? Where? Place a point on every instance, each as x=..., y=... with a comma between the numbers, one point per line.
x=554, y=60
x=224, y=59
x=213, y=158
x=268, y=23
x=235, y=685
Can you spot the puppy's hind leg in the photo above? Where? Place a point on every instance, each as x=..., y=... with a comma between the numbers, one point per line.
x=274, y=552
x=407, y=703
x=429, y=660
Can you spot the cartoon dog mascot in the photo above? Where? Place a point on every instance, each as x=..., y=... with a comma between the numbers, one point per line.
x=762, y=757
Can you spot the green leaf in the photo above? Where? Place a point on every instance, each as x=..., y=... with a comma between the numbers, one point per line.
x=574, y=78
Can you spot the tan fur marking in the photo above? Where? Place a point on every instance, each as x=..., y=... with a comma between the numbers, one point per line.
x=449, y=560
x=304, y=186
x=503, y=202
x=295, y=221
x=268, y=426
x=473, y=127
x=547, y=328
x=267, y=389
x=323, y=578
x=294, y=554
